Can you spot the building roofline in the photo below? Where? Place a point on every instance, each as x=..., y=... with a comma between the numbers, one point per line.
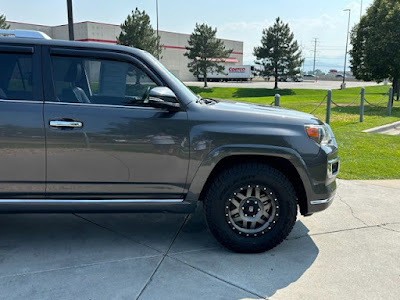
x=109, y=24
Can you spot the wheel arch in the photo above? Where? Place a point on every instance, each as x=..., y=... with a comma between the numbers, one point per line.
x=283, y=159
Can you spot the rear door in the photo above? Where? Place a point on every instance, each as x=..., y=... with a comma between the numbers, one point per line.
x=22, y=139
x=103, y=139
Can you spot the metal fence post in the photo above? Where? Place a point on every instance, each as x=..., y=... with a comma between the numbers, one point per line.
x=277, y=100
x=362, y=105
x=328, y=107
x=390, y=103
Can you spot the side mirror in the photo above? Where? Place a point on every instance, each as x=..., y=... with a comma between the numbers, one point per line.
x=163, y=97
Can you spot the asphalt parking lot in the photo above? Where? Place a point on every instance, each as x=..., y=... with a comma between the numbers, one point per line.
x=306, y=84
x=350, y=251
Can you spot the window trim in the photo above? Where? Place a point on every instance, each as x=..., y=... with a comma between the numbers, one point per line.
x=17, y=49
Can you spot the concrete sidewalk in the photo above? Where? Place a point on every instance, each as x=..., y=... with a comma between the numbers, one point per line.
x=350, y=251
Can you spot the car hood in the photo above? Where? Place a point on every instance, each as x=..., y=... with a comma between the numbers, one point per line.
x=254, y=110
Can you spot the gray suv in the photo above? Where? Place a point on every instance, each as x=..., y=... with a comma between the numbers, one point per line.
x=90, y=127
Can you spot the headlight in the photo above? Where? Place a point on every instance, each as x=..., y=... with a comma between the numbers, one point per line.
x=321, y=134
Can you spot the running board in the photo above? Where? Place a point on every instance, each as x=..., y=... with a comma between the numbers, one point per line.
x=87, y=205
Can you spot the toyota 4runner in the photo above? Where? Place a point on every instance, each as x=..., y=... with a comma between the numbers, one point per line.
x=90, y=127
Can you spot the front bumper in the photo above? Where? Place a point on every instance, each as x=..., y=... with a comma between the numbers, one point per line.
x=324, y=192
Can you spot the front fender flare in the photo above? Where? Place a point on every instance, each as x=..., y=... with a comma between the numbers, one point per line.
x=219, y=153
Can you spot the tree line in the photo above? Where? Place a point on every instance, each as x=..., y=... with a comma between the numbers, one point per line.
x=278, y=55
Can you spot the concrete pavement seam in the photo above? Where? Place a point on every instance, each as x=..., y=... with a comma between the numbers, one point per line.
x=216, y=277
x=163, y=257
x=343, y=230
x=194, y=250
x=78, y=266
x=390, y=229
x=116, y=232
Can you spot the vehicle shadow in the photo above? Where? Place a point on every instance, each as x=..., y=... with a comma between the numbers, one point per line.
x=32, y=243
x=369, y=110
x=263, y=274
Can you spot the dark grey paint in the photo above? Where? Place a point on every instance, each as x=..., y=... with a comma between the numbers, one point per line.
x=22, y=149
x=120, y=152
x=147, y=153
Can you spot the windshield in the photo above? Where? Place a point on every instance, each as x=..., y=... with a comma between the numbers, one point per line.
x=188, y=92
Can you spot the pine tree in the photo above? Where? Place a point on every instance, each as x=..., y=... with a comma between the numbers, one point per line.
x=137, y=32
x=3, y=24
x=279, y=53
x=204, y=51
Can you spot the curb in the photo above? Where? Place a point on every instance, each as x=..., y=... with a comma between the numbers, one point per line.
x=380, y=129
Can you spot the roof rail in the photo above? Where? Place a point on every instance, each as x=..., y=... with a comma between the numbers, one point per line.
x=28, y=34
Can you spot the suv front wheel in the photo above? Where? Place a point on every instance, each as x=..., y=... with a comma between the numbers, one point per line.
x=250, y=207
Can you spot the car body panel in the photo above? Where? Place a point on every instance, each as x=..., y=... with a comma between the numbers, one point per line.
x=120, y=152
x=22, y=138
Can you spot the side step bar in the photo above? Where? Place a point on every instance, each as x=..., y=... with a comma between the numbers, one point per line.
x=88, y=206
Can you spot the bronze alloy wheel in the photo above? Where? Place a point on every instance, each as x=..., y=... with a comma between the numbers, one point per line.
x=252, y=210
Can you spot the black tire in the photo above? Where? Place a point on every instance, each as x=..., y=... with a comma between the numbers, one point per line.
x=218, y=204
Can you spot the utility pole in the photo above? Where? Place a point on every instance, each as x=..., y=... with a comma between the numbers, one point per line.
x=315, y=53
x=345, y=55
x=70, y=20
x=158, y=36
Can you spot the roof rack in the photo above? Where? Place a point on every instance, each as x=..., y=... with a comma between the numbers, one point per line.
x=28, y=34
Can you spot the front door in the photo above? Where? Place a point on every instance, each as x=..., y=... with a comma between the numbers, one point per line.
x=103, y=139
x=22, y=139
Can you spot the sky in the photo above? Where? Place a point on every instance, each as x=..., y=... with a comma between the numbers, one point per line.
x=234, y=19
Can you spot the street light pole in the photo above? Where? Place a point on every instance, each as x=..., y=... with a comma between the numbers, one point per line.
x=70, y=21
x=361, y=9
x=345, y=55
x=158, y=36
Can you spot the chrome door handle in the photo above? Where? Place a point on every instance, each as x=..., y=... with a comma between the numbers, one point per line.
x=68, y=124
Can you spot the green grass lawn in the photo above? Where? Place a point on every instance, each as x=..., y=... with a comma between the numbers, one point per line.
x=364, y=155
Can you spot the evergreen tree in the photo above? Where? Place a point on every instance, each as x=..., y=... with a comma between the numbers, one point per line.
x=204, y=51
x=279, y=53
x=137, y=32
x=3, y=24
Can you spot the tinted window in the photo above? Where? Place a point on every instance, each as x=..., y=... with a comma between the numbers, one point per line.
x=16, y=76
x=96, y=81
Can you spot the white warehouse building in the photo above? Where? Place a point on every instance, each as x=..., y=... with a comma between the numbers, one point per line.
x=173, y=43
